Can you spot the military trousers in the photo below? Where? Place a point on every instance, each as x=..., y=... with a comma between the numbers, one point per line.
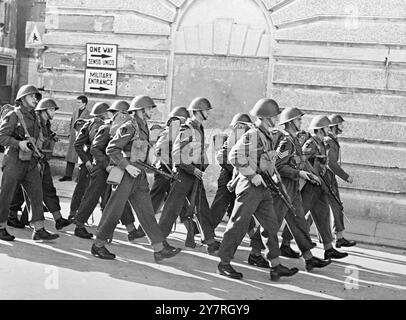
x=223, y=200
x=160, y=190
x=96, y=190
x=316, y=201
x=80, y=188
x=26, y=173
x=250, y=200
x=338, y=213
x=175, y=202
x=136, y=191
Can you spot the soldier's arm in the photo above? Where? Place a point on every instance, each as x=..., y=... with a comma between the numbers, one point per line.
x=7, y=127
x=114, y=149
x=80, y=141
x=182, y=140
x=284, y=151
x=241, y=152
x=99, y=145
x=332, y=156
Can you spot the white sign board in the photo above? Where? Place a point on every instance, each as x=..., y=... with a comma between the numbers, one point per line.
x=101, y=56
x=101, y=81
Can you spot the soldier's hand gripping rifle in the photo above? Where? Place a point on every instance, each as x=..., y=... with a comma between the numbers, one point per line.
x=325, y=185
x=156, y=170
x=36, y=152
x=280, y=189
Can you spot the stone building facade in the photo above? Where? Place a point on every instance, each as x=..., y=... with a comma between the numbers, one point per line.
x=323, y=56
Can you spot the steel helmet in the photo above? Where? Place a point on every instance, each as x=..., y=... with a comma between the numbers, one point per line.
x=46, y=104
x=26, y=90
x=119, y=105
x=335, y=119
x=179, y=112
x=141, y=102
x=319, y=122
x=240, y=117
x=289, y=114
x=99, y=109
x=200, y=104
x=265, y=108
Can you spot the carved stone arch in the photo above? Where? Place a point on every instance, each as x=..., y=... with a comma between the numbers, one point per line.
x=225, y=46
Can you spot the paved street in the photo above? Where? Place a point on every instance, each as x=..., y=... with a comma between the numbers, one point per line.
x=65, y=269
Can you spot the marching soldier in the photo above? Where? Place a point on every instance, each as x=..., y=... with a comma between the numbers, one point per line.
x=315, y=196
x=129, y=147
x=98, y=177
x=224, y=198
x=252, y=156
x=82, y=147
x=20, y=131
x=288, y=163
x=190, y=159
x=335, y=169
x=163, y=154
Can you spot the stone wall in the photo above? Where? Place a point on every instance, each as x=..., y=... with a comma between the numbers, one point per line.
x=322, y=56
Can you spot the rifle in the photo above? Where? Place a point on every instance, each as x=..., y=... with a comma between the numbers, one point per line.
x=325, y=185
x=37, y=153
x=154, y=169
x=191, y=215
x=280, y=190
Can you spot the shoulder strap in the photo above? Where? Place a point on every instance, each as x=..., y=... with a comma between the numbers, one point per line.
x=22, y=122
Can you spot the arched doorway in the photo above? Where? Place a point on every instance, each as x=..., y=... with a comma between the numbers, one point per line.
x=222, y=52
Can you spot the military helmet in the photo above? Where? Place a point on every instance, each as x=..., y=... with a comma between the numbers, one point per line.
x=119, y=105
x=46, y=104
x=200, y=104
x=141, y=102
x=289, y=114
x=240, y=117
x=335, y=119
x=319, y=122
x=179, y=112
x=26, y=90
x=99, y=109
x=265, y=108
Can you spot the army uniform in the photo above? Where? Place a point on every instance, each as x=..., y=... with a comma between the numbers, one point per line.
x=16, y=171
x=187, y=143
x=82, y=146
x=98, y=180
x=129, y=146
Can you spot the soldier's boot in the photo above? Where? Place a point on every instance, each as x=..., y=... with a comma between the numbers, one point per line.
x=225, y=269
x=62, y=223
x=334, y=254
x=315, y=262
x=190, y=235
x=212, y=248
x=282, y=271
x=13, y=221
x=136, y=234
x=166, y=253
x=44, y=235
x=5, y=236
x=102, y=253
x=345, y=243
x=81, y=232
x=258, y=260
x=287, y=251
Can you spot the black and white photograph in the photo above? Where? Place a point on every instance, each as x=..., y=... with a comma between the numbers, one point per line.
x=202, y=156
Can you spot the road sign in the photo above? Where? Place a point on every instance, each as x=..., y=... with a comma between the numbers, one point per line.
x=34, y=32
x=101, y=81
x=101, y=56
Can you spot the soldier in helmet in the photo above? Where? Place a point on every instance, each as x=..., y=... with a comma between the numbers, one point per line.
x=251, y=156
x=98, y=178
x=315, y=196
x=335, y=169
x=129, y=146
x=288, y=164
x=190, y=160
x=82, y=146
x=20, y=131
x=163, y=154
